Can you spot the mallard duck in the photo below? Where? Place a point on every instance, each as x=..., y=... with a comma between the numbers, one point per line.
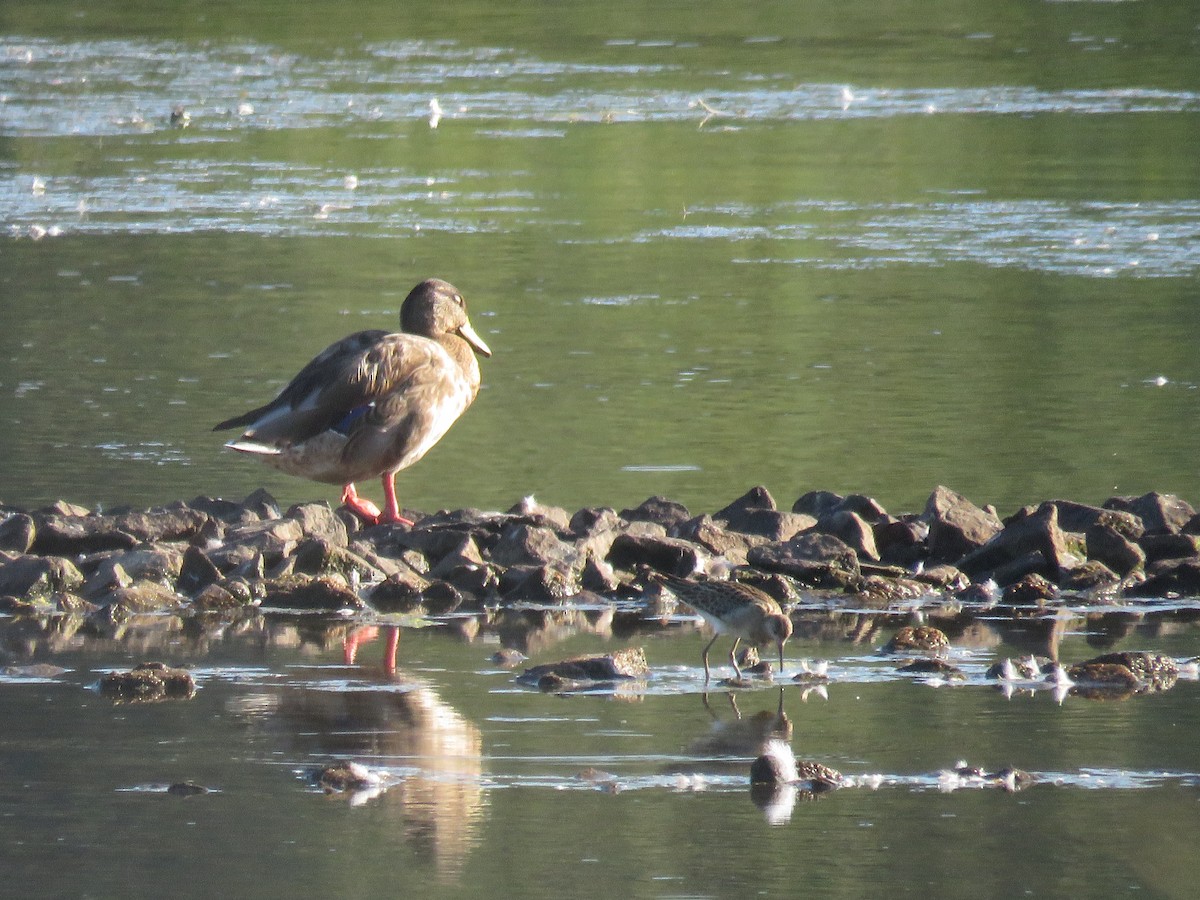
x=373, y=403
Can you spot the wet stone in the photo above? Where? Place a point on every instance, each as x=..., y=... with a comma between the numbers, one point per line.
x=709, y=534
x=956, y=525
x=1109, y=546
x=670, y=555
x=17, y=533
x=659, y=510
x=920, y=637
x=1032, y=590
x=619, y=665
x=933, y=667
x=1037, y=532
x=817, y=560
x=148, y=682
x=1159, y=513
x=324, y=592
x=1113, y=675
x=215, y=598
x=508, y=658
x=1167, y=578
x=186, y=789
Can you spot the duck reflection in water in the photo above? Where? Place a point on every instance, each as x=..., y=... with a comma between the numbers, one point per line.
x=422, y=760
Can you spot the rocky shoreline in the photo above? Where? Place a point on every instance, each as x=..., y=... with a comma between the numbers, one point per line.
x=211, y=555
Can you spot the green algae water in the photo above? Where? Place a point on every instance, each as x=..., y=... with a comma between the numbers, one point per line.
x=855, y=247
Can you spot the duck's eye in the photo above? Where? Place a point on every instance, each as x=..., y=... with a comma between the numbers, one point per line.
x=458, y=299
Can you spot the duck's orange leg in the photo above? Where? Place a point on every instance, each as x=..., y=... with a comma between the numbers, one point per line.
x=360, y=506
x=391, y=507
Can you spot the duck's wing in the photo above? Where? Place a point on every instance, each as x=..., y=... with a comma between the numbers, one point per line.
x=344, y=376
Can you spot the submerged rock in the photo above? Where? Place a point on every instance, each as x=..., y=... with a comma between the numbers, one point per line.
x=920, y=637
x=620, y=665
x=148, y=681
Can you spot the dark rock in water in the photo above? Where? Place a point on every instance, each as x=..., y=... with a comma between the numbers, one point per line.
x=141, y=597
x=1156, y=670
x=67, y=602
x=215, y=598
x=620, y=665
x=148, y=681
x=345, y=776
x=1160, y=513
x=39, y=576
x=660, y=510
x=920, y=637
x=540, y=584
x=853, y=530
x=17, y=533
x=670, y=555
x=818, y=560
x=186, y=789
x=1038, y=532
x=1166, y=578
x=442, y=598
x=1107, y=545
x=508, y=658
x=956, y=525
x=1107, y=674
x=1169, y=546
x=326, y=592
x=1032, y=590
x=400, y=592
x=1092, y=575
x=933, y=667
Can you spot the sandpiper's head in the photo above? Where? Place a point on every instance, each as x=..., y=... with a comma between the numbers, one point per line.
x=434, y=308
x=778, y=628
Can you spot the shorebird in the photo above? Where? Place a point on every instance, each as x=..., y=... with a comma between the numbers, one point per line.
x=372, y=403
x=731, y=607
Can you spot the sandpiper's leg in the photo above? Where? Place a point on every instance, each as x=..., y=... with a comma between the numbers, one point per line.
x=360, y=506
x=391, y=506
x=733, y=657
x=708, y=647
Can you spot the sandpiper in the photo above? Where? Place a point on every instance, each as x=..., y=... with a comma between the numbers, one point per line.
x=731, y=607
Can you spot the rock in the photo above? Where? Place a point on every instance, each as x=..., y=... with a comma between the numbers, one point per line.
x=147, y=682
x=317, y=520
x=262, y=504
x=140, y=597
x=1079, y=517
x=1092, y=575
x=442, y=598
x=1176, y=577
x=660, y=510
x=542, y=584
x=1109, y=546
x=1169, y=546
x=39, y=576
x=620, y=665
x=933, y=667
x=818, y=560
x=956, y=525
x=1156, y=670
x=757, y=497
x=346, y=776
x=730, y=545
x=538, y=514
x=526, y=545
x=508, y=658
x=175, y=523
x=925, y=638
x=1037, y=532
x=770, y=524
x=594, y=518
x=670, y=555
x=215, y=598
x=901, y=541
x=598, y=576
x=326, y=592
x=17, y=533
x=853, y=530
x=817, y=503
x=1159, y=513
x=399, y=592
x=58, y=535
x=1106, y=674
x=186, y=789
x=1032, y=590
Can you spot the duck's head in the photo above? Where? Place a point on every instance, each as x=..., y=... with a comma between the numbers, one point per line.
x=434, y=308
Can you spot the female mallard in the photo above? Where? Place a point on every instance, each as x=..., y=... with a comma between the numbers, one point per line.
x=373, y=403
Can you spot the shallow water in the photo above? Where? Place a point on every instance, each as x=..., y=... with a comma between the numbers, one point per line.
x=860, y=247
